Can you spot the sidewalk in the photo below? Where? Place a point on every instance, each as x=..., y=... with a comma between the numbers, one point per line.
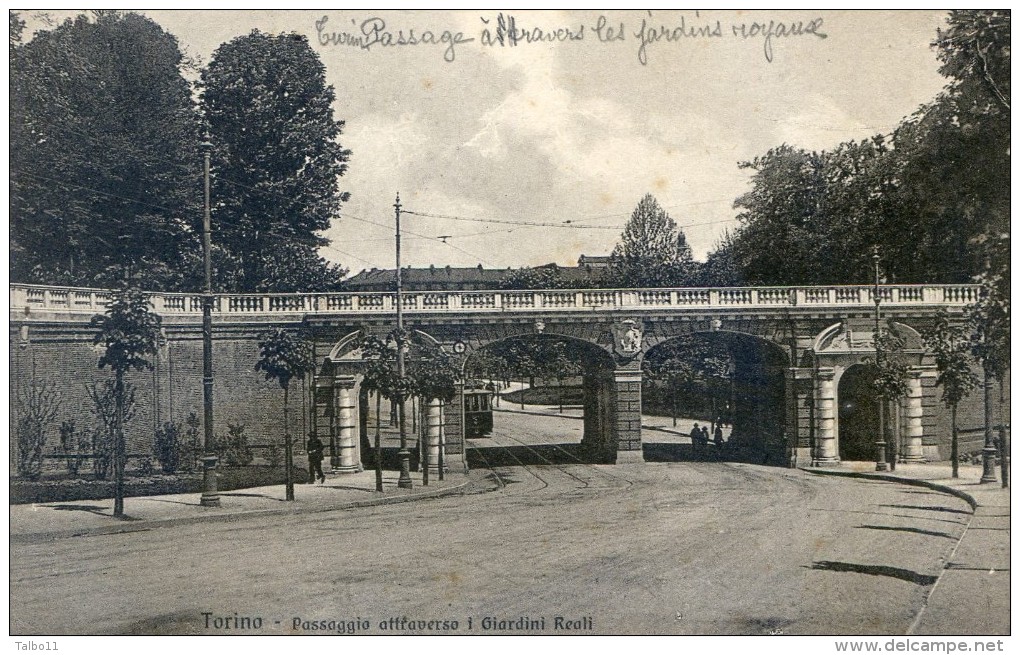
x=43, y=521
x=663, y=425
x=975, y=580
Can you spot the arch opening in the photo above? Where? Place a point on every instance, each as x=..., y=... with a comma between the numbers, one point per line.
x=857, y=423
x=549, y=402
x=731, y=384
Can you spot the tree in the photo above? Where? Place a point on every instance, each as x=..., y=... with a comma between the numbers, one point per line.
x=104, y=164
x=554, y=360
x=129, y=333
x=950, y=345
x=975, y=50
x=37, y=409
x=538, y=277
x=721, y=268
x=926, y=192
x=776, y=240
x=431, y=375
x=890, y=380
x=652, y=252
x=989, y=323
x=691, y=364
x=276, y=157
x=283, y=356
x=380, y=378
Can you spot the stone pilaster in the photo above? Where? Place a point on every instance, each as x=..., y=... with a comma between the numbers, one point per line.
x=913, y=431
x=627, y=414
x=826, y=451
x=345, y=412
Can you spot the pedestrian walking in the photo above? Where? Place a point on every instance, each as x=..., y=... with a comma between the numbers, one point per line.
x=696, y=439
x=315, y=449
x=718, y=436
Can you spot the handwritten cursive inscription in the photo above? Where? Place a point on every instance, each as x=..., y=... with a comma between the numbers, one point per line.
x=507, y=31
x=373, y=32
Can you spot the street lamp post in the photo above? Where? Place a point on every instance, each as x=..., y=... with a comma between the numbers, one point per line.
x=404, y=481
x=880, y=463
x=210, y=496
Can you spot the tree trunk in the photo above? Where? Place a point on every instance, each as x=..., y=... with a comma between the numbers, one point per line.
x=442, y=439
x=522, y=393
x=1003, y=440
x=989, y=451
x=954, y=445
x=559, y=392
x=119, y=447
x=424, y=443
x=288, y=446
x=378, y=442
x=672, y=403
x=892, y=443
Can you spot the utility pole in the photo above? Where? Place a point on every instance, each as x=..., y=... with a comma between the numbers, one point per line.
x=404, y=481
x=210, y=496
x=880, y=463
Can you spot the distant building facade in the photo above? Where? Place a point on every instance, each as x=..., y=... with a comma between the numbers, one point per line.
x=468, y=278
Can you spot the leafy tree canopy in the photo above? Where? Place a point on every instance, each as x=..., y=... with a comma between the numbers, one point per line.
x=105, y=175
x=652, y=252
x=277, y=159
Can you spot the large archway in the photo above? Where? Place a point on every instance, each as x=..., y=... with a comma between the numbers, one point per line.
x=857, y=424
x=550, y=397
x=732, y=383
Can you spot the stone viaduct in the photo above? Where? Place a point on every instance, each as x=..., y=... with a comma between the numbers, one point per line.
x=798, y=351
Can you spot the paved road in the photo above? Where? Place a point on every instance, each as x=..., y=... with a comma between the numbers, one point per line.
x=677, y=548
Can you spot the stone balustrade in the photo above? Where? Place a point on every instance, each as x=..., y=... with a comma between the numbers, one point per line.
x=28, y=299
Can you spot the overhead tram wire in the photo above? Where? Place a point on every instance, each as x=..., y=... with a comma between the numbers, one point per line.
x=575, y=223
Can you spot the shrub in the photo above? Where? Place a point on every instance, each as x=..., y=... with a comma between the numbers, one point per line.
x=104, y=403
x=145, y=466
x=236, y=451
x=37, y=409
x=73, y=445
x=274, y=455
x=191, y=447
x=168, y=447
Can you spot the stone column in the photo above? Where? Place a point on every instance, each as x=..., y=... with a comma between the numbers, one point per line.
x=433, y=431
x=346, y=425
x=913, y=450
x=826, y=452
x=627, y=414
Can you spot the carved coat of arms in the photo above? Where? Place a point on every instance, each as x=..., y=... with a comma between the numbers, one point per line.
x=627, y=338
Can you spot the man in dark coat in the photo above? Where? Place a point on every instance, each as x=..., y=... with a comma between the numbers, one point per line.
x=696, y=439
x=315, y=449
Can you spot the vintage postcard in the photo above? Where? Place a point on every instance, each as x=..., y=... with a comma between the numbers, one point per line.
x=349, y=322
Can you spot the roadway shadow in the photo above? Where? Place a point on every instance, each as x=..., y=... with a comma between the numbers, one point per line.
x=91, y=509
x=877, y=569
x=685, y=452
x=490, y=456
x=931, y=508
x=930, y=533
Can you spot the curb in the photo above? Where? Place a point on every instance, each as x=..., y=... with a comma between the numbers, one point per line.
x=915, y=482
x=142, y=525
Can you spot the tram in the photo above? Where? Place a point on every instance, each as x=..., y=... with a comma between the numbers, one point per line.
x=478, y=412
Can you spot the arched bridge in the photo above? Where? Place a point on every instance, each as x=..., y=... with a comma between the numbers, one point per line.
x=792, y=346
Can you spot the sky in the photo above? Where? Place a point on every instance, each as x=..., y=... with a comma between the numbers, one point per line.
x=571, y=134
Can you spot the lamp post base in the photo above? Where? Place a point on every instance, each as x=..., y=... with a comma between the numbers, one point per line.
x=880, y=463
x=210, y=494
x=988, y=454
x=404, y=481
